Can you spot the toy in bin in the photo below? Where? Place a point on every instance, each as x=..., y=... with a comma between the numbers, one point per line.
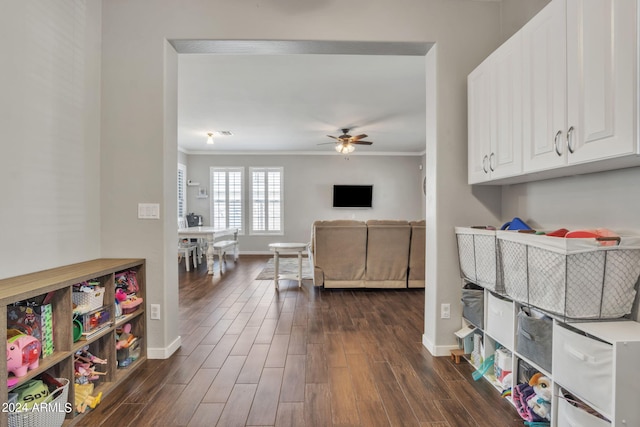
x=93, y=321
x=130, y=305
x=23, y=352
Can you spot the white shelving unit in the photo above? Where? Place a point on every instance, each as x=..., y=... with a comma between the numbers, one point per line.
x=596, y=362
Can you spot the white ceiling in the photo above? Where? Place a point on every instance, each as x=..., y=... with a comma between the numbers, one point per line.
x=290, y=102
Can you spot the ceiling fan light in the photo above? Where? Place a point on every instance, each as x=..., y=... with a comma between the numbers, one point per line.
x=210, y=138
x=345, y=148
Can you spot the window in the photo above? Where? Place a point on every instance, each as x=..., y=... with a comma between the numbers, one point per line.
x=226, y=197
x=266, y=201
x=182, y=190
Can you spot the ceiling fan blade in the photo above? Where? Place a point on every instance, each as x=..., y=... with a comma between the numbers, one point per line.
x=327, y=143
x=362, y=142
x=331, y=136
x=357, y=137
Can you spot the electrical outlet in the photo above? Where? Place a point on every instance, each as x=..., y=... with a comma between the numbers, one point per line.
x=155, y=311
x=445, y=311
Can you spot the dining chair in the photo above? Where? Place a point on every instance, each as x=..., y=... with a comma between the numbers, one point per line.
x=186, y=248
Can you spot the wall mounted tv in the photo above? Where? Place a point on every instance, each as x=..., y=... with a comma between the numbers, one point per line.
x=352, y=196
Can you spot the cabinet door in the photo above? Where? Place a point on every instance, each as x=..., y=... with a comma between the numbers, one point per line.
x=545, y=94
x=505, y=157
x=479, y=122
x=601, y=67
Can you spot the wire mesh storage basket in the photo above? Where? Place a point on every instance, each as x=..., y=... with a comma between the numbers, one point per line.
x=52, y=416
x=478, y=257
x=572, y=278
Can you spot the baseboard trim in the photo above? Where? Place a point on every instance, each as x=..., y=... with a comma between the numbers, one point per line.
x=441, y=350
x=164, y=353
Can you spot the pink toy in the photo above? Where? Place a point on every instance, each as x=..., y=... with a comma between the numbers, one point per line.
x=23, y=353
x=121, y=295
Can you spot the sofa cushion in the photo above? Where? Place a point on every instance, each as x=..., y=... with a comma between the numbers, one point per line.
x=387, y=253
x=340, y=251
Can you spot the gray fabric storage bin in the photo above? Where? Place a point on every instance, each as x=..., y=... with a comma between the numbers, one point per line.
x=473, y=304
x=534, y=339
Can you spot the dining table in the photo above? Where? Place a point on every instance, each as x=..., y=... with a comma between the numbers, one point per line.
x=209, y=234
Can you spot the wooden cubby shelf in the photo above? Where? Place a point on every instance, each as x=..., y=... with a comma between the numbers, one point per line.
x=57, y=284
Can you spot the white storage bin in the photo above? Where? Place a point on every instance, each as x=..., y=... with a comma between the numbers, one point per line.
x=478, y=257
x=584, y=364
x=500, y=320
x=572, y=416
x=573, y=278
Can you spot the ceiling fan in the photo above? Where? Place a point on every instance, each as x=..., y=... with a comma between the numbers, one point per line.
x=344, y=143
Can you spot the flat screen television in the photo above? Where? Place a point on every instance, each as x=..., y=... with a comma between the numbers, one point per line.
x=352, y=196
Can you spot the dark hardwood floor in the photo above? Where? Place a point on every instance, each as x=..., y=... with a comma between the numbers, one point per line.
x=314, y=357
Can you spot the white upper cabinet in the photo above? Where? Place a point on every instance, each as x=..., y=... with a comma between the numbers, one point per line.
x=544, y=87
x=495, y=114
x=602, y=52
x=506, y=155
x=565, y=101
x=479, y=112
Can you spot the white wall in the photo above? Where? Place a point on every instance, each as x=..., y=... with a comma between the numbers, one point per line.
x=308, y=181
x=135, y=76
x=74, y=197
x=515, y=13
x=50, y=128
x=605, y=199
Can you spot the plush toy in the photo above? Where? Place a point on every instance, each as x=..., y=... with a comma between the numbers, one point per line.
x=533, y=399
x=540, y=402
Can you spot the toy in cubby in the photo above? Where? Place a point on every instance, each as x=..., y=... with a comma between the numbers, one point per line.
x=34, y=317
x=127, y=346
x=532, y=398
x=502, y=367
x=127, y=300
x=87, y=296
x=85, y=373
x=85, y=366
x=23, y=352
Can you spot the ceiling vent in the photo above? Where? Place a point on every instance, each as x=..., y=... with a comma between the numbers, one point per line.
x=224, y=133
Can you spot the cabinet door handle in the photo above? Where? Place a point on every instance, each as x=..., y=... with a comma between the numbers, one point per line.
x=555, y=143
x=484, y=164
x=569, y=133
x=491, y=161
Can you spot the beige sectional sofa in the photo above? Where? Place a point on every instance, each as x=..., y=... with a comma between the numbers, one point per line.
x=372, y=254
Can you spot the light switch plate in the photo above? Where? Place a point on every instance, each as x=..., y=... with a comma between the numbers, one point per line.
x=148, y=211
